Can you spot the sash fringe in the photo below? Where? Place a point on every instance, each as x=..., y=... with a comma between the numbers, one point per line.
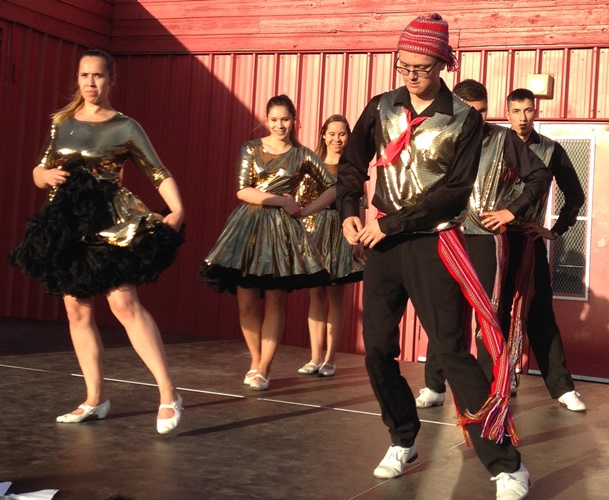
x=524, y=290
x=494, y=416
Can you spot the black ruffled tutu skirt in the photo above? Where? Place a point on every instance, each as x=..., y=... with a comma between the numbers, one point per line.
x=63, y=250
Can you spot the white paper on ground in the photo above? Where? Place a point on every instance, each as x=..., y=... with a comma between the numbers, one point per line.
x=35, y=495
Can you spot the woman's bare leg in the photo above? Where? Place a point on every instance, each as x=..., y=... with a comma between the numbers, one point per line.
x=88, y=348
x=272, y=328
x=145, y=339
x=250, y=319
x=317, y=322
x=334, y=326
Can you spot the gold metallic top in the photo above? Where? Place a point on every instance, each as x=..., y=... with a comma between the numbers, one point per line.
x=424, y=163
x=310, y=190
x=279, y=173
x=104, y=147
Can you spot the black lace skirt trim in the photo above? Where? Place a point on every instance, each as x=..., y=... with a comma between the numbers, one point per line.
x=225, y=280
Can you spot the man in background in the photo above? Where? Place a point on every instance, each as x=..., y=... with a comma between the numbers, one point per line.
x=529, y=231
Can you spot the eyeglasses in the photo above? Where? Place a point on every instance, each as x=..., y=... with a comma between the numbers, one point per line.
x=418, y=73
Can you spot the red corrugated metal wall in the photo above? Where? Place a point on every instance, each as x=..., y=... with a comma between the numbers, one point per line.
x=32, y=88
x=198, y=108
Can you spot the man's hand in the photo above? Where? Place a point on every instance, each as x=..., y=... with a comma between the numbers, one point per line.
x=351, y=228
x=534, y=231
x=371, y=234
x=494, y=220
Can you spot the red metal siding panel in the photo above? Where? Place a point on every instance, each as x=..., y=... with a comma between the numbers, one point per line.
x=193, y=137
x=245, y=69
x=498, y=86
x=524, y=64
x=357, y=84
x=379, y=77
x=309, y=107
x=450, y=78
x=288, y=76
x=602, y=86
x=553, y=63
x=37, y=72
x=265, y=83
x=472, y=65
x=580, y=67
x=333, y=98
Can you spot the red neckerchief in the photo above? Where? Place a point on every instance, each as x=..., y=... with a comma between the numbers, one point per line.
x=395, y=147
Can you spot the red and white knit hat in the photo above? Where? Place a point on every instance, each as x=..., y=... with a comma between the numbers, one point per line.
x=428, y=34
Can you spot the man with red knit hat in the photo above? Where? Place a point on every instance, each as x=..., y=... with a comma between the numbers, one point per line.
x=427, y=143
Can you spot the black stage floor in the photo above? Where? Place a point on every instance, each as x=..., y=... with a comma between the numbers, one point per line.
x=306, y=437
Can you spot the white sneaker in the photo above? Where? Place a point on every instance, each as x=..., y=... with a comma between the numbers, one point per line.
x=395, y=460
x=512, y=485
x=428, y=397
x=571, y=401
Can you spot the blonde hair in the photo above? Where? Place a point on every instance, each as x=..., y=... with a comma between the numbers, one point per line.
x=77, y=99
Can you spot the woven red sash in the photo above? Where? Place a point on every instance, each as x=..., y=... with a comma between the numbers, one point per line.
x=495, y=417
x=501, y=256
x=524, y=290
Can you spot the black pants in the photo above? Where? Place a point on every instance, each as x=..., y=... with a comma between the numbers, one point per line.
x=482, y=253
x=542, y=330
x=402, y=268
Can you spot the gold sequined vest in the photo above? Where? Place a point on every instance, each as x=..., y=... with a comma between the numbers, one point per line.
x=536, y=214
x=492, y=182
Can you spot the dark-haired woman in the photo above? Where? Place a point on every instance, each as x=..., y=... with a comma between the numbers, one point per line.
x=341, y=259
x=263, y=251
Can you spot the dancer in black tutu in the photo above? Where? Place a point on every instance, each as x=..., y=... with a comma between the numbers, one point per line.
x=92, y=236
x=263, y=249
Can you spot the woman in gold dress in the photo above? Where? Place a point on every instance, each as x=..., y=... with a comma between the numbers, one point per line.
x=342, y=260
x=263, y=250
x=92, y=236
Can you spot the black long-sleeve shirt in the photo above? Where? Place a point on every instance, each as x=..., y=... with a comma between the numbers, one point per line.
x=567, y=181
x=444, y=201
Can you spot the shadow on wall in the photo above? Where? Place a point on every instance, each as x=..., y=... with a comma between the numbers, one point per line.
x=197, y=119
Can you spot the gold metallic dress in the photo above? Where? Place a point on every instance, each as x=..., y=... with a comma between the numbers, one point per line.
x=262, y=246
x=326, y=233
x=93, y=235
